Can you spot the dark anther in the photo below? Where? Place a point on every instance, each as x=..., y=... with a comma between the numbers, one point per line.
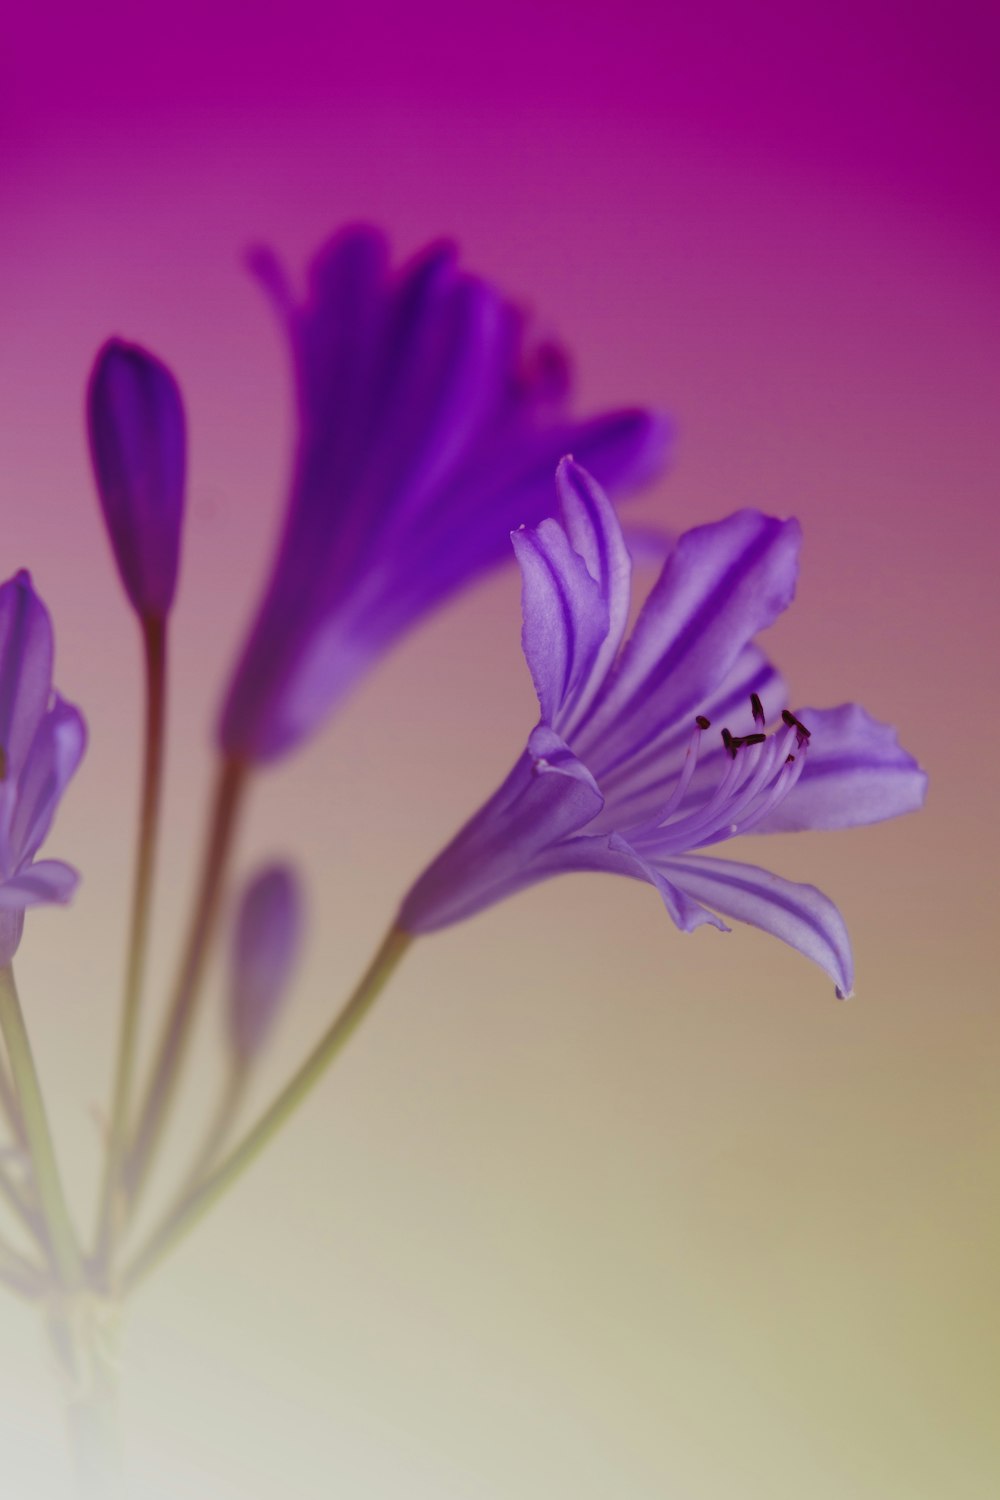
x=702, y=722
x=789, y=759
x=754, y=739
x=730, y=744
x=801, y=732
x=757, y=709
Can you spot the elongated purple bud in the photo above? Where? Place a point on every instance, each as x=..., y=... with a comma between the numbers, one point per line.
x=266, y=946
x=135, y=420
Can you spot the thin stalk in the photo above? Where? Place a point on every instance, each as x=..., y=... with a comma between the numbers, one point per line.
x=226, y=1111
x=176, y=1033
x=9, y=1106
x=16, y=1264
x=154, y=633
x=16, y=1202
x=186, y=1214
x=65, y=1252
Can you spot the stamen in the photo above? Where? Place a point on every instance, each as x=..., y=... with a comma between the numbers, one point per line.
x=731, y=745
x=702, y=722
x=757, y=709
x=687, y=771
x=802, y=734
x=753, y=739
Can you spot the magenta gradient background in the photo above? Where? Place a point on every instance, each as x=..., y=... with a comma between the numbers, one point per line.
x=590, y=1209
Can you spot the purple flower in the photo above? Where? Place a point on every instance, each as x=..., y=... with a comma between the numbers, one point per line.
x=136, y=425
x=265, y=947
x=647, y=753
x=42, y=739
x=428, y=427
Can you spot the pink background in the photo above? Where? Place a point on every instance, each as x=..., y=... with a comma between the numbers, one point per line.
x=589, y=1209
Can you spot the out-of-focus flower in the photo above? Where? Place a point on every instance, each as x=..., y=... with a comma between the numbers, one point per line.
x=633, y=765
x=265, y=947
x=428, y=427
x=42, y=739
x=135, y=421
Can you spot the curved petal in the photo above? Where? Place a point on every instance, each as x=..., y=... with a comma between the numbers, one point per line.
x=502, y=487
x=641, y=784
x=797, y=914
x=25, y=669
x=857, y=772
x=721, y=585
x=596, y=535
x=46, y=882
x=614, y=855
x=565, y=618
x=493, y=856
x=56, y=752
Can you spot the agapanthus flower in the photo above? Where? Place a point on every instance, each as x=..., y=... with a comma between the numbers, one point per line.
x=42, y=738
x=266, y=943
x=679, y=740
x=429, y=425
x=135, y=421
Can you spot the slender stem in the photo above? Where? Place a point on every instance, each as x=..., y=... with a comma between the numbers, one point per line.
x=226, y=1111
x=9, y=1106
x=65, y=1253
x=109, y=1215
x=176, y=1032
x=15, y=1200
x=182, y=1218
x=16, y=1264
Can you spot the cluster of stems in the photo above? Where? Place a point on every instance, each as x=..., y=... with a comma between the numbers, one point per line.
x=79, y=1286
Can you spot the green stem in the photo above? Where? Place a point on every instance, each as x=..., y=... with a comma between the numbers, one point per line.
x=109, y=1214
x=65, y=1252
x=225, y=1113
x=183, y=1218
x=9, y=1106
x=176, y=1033
x=16, y=1202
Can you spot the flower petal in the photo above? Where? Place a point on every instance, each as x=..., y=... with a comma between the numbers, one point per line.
x=721, y=585
x=797, y=914
x=565, y=618
x=135, y=420
x=56, y=752
x=641, y=784
x=596, y=534
x=856, y=772
x=46, y=882
x=539, y=804
x=614, y=855
x=25, y=669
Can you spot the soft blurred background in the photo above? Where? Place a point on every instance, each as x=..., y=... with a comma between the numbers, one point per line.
x=589, y=1208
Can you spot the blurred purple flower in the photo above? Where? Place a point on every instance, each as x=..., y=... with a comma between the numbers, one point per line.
x=622, y=773
x=428, y=428
x=135, y=420
x=265, y=948
x=42, y=739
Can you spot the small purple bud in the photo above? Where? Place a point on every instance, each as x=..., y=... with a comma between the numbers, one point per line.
x=135, y=419
x=266, y=945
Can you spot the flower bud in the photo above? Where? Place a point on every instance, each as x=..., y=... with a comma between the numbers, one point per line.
x=265, y=948
x=135, y=420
